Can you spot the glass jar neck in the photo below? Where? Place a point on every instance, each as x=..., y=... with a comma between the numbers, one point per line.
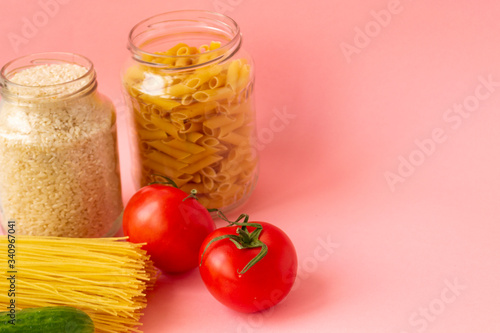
x=40, y=94
x=150, y=39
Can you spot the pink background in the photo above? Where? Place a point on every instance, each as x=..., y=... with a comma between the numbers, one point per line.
x=416, y=253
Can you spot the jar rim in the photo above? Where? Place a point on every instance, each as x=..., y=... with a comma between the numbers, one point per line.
x=46, y=58
x=229, y=47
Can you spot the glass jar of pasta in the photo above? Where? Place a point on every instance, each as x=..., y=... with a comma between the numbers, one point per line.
x=59, y=173
x=189, y=84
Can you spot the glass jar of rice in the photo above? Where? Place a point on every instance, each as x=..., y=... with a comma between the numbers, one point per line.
x=59, y=173
x=189, y=84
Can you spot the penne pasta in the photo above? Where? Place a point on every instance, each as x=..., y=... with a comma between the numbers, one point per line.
x=192, y=127
x=162, y=147
x=182, y=62
x=145, y=134
x=175, y=49
x=233, y=74
x=229, y=189
x=213, y=94
x=208, y=183
x=195, y=167
x=217, y=81
x=187, y=99
x=183, y=179
x=196, y=125
x=218, y=121
x=222, y=177
x=196, y=178
x=135, y=73
x=165, y=160
x=178, y=90
x=164, y=103
x=234, y=138
x=208, y=172
x=214, y=45
x=237, y=123
x=202, y=76
x=194, y=137
x=197, y=109
x=143, y=122
x=187, y=146
x=167, y=126
x=197, y=157
x=161, y=169
x=243, y=78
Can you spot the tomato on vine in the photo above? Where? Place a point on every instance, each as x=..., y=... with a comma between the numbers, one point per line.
x=248, y=266
x=171, y=222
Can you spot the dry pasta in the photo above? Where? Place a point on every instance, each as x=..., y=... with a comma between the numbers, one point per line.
x=105, y=277
x=195, y=126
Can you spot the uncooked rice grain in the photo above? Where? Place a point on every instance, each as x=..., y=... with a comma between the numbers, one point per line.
x=59, y=173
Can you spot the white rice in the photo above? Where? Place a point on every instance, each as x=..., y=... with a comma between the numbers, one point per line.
x=59, y=174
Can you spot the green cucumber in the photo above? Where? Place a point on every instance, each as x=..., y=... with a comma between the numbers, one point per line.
x=53, y=319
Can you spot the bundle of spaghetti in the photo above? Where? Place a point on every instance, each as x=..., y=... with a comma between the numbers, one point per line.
x=105, y=277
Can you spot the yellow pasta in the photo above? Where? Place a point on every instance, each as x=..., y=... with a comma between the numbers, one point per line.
x=187, y=99
x=134, y=73
x=207, y=141
x=218, y=121
x=161, y=169
x=196, y=125
x=165, y=103
x=151, y=135
x=166, y=160
x=229, y=189
x=208, y=183
x=105, y=277
x=214, y=45
x=208, y=172
x=243, y=77
x=198, y=109
x=213, y=94
x=183, y=179
x=217, y=81
x=179, y=90
x=142, y=121
x=195, y=167
x=189, y=147
x=194, y=137
x=234, y=138
x=208, y=56
x=196, y=180
x=237, y=123
x=174, y=50
x=167, y=126
x=232, y=74
x=186, y=50
x=209, y=151
x=192, y=128
x=202, y=76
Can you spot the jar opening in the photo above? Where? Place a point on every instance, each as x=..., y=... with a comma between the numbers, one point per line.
x=81, y=77
x=151, y=38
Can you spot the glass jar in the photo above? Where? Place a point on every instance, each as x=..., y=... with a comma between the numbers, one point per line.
x=59, y=172
x=189, y=84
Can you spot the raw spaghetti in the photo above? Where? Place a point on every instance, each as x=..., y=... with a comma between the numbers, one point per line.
x=105, y=277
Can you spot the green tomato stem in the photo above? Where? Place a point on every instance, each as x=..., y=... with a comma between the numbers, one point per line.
x=244, y=239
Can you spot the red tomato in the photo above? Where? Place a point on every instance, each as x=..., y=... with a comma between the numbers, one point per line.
x=172, y=228
x=260, y=287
